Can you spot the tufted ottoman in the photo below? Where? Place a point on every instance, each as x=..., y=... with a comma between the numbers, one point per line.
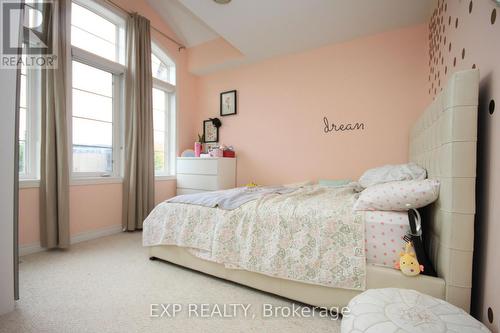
x=403, y=310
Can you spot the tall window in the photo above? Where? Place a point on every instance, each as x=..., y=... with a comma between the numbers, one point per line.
x=23, y=128
x=92, y=119
x=28, y=124
x=97, y=74
x=163, y=112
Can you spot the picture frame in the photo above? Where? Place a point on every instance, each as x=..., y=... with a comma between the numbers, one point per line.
x=210, y=132
x=228, y=103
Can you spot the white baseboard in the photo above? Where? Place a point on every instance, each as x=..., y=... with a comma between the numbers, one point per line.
x=81, y=237
x=30, y=249
x=97, y=233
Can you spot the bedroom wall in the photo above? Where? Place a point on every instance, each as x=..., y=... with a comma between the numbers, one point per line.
x=96, y=208
x=279, y=133
x=465, y=34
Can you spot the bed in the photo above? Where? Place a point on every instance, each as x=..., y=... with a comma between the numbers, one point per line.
x=443, y=141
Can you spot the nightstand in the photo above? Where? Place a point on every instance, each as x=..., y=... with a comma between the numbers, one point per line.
x=197, y=174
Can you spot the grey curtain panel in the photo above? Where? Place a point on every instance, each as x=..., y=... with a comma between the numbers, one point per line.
x=54, y=170
x=138, y=182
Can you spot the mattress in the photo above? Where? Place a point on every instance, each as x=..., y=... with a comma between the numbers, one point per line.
x=384, y=232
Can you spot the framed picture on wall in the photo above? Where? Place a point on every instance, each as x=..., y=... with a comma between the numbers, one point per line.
x=228, y=103
x=210, y=132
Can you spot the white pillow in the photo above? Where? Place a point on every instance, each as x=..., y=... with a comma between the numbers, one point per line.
x=399, y=196
x=391, y=173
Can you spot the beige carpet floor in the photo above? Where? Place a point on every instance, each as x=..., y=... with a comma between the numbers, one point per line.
x=108, y=285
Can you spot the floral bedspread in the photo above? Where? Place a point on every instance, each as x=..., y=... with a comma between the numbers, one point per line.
x=311, y=235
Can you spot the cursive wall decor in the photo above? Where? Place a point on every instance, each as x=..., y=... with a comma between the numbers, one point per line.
x=342, y=127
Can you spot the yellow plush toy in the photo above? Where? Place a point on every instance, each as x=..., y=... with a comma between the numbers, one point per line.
x=408, y=263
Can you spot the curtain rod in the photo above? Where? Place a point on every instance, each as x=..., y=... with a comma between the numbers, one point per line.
x=180, y=45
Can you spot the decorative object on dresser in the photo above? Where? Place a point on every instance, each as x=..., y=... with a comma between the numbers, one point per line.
x=205, y=174
x=198, y=145
x=211, y=146
x=228, y=151
x=211, y=129
x=188, y=153
x=215, y=152
x=228, y=105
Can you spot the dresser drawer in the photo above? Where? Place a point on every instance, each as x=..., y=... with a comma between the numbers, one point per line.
x=197, y=182
x=197, y=166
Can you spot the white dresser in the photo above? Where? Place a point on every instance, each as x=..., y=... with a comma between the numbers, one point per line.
x=196, y=174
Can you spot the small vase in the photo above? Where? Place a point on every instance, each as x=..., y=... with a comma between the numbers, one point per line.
x=197, y=149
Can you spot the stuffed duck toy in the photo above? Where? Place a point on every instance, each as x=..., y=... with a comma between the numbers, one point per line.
x=408, y=263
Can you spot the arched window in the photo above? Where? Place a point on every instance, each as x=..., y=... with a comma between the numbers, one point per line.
x=163, y=70
x=163, y=67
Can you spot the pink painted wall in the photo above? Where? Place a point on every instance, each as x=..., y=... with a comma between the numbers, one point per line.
x=165, y=190
x=464, y=34
x=278, y=132
x=92, y=207
x=29, y=209
x=209, y=56
x=91, y=211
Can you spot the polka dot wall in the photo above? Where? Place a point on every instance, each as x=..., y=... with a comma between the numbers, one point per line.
x=465, y=34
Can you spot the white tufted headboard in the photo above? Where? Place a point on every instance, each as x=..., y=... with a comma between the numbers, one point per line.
x=444, y=141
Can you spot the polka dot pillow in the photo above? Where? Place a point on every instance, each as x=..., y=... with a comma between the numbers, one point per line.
x=399, y=196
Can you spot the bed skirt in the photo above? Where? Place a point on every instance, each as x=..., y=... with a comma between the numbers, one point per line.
x=315, y=295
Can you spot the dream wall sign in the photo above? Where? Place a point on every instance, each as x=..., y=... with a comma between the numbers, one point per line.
x=331, y=127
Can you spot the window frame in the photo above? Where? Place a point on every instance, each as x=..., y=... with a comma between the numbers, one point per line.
x=108, y=12
x=32, y=140
x=169, y=95
x=118, y=70
x=170, y=114
x=158, y=52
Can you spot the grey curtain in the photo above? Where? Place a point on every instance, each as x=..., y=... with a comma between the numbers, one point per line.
x=54, y=171
x=138, y=182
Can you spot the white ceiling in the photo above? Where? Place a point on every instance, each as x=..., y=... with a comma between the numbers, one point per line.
x=264, y=28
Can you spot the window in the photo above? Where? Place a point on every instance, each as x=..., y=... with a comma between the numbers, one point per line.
x=28, y=125
x=100, y=35
x=92, y=120
x=96, y=91
x=160, y=111
x=23, y=130
x=163, y=112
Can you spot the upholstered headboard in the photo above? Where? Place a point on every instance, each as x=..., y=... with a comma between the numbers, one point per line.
x=444, y=141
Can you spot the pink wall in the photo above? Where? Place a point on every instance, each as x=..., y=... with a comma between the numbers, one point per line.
x=91, y=211
x=92, y=207
x=29, y=226
x=278, y=132
x=207, y=57
x=469, y=28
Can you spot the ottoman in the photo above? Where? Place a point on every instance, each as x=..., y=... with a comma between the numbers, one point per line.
x=403, y=310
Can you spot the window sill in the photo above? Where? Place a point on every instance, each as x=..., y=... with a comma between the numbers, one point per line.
x=165, y=178
x=29, y=183
x=35, y=183
x=95, y=181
